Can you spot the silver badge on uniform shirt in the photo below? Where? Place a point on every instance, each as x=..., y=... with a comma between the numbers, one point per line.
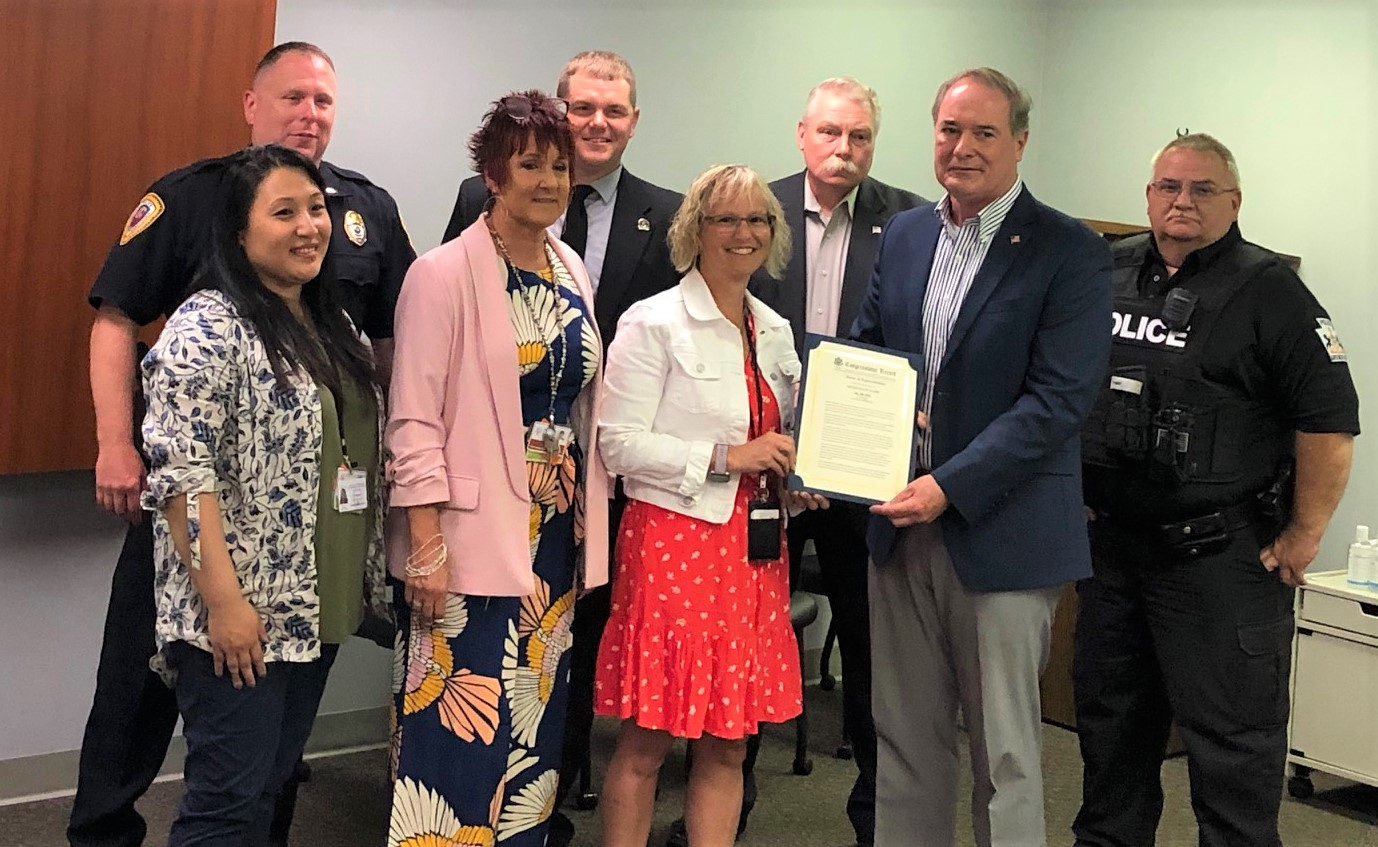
x=354, y=228
x=643, y=225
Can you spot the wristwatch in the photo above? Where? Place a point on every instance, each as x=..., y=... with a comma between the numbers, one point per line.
x=717, y=471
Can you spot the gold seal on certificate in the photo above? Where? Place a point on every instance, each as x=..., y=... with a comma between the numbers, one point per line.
x=855, y=433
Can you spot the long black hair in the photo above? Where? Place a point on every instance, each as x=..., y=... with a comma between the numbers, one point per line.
x=227, y=269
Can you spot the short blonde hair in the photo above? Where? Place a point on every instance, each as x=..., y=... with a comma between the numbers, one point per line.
x=599, y=64
x=717, y=183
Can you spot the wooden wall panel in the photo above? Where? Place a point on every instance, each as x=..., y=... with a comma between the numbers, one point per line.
x=101, y=97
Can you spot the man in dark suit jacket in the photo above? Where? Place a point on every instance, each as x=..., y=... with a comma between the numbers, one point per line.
x=1007, y=301
x=835, y=211
x=618, y=224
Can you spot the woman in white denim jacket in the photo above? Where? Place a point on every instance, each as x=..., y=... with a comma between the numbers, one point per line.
x=698, y=398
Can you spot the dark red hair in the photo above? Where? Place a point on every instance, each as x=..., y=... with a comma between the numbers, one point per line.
x=501, y=136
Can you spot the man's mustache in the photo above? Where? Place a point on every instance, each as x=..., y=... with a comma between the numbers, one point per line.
x=839, y=165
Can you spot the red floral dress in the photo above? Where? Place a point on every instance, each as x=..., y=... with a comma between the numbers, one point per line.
x=699, y=640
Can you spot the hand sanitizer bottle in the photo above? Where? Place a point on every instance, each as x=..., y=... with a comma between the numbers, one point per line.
x=1363, y=557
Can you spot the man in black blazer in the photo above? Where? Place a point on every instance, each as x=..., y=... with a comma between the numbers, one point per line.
x=618, y=224
x=835, y=211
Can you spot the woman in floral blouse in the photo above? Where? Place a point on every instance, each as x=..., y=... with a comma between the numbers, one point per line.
x=262, y=436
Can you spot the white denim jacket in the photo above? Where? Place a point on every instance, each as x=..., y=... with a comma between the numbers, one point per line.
x=675, y=385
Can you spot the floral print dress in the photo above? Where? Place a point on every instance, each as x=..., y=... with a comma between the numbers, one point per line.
x=480, y=696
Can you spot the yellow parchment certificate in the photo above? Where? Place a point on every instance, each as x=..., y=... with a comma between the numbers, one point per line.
x=856, y=432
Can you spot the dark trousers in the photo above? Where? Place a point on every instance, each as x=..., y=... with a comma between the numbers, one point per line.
x=132, y=715
x=1204, y=641
x=242, y=744
x=839, y=539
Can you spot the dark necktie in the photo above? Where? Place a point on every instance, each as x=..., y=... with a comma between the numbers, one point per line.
x=576, y=233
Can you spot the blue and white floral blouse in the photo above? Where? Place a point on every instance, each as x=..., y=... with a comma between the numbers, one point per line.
x=218, y=421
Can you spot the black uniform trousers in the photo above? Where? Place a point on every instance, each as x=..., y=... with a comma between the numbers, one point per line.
x=133, y=713
x=1205, y=642
x=839, y=539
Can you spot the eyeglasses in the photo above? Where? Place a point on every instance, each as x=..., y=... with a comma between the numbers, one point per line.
x=520, y=108
x=731, y=222
x=1171, y=189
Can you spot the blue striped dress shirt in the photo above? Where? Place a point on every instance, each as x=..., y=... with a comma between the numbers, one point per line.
x=960, y=251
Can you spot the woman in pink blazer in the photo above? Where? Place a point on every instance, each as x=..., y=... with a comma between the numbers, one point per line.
x=499, y=495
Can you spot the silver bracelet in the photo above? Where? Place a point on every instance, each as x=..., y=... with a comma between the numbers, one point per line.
x=442, y=556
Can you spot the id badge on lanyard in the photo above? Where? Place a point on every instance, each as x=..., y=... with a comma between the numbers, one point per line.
x=765, y=518
x=547, y=442
x=764, y=525
x=351, y=489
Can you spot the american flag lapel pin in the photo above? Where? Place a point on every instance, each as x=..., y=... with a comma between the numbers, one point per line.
x=1014, y=239
x=875, y=230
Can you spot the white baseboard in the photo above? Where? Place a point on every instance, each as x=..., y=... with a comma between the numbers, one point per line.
x=55, y=774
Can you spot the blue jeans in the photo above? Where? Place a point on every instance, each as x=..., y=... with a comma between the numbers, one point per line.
x=242, y=744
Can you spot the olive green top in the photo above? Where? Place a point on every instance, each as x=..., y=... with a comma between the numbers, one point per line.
x=342, y=537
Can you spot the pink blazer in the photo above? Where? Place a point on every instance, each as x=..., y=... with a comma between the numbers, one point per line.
x=455, y=430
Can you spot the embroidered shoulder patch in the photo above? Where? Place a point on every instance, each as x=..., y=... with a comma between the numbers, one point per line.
x=1325, y=331
x=142, y=217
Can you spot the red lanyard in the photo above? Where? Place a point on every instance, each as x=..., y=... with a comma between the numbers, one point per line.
x=756, y=426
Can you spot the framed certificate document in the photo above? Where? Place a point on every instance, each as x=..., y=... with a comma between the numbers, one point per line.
x=855, y=436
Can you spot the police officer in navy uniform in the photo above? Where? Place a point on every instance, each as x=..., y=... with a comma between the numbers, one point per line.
x=1215, y=457
x=146, y=275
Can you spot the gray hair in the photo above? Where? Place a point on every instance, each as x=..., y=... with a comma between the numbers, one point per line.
x=862, y=95
x=721, y=181
x=1020, y=102
x=1200, y=142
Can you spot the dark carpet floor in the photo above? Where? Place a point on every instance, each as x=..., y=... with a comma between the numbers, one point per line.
x=346, y=802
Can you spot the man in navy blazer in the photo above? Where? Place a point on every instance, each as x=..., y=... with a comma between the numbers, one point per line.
x=1007, y=301
x=835, y=210
x=618, y=224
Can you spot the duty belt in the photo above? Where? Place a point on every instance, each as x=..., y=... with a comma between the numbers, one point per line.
x=1196, y=536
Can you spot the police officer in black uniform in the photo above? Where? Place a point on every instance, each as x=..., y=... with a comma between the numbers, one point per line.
x=1216, y=455
x=146, y=275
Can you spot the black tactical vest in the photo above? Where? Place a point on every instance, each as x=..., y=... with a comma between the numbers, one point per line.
x=1159, y=420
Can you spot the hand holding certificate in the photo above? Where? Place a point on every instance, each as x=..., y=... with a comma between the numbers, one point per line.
x=856, y=425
